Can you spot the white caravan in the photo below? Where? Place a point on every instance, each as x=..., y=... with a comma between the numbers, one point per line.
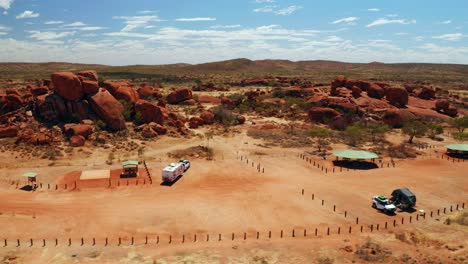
x=172, y=172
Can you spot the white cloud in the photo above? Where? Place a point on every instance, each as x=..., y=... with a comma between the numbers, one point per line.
x=347, y=20
x=4, y=28
x=225, y=26
x=145, y=12
x=53, y=22
x=27, y=14
x=282, y=12
x=76, y=24
x=333, y=39
x=419, y=38
x=133, y=22
x=450, y=37
x=401, y=34
x=49, y=35
x=446, y=22
x=288, y=10
x=192, y=19
x=264, y=1
x=385, y=21
x=265, y=9
x=373, y=9
x=149, y=26
x=6, y=4
x=91, y=28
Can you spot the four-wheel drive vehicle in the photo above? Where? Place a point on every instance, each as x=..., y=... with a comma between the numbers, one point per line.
x=186, y=164
x=403, y=198
x=381, y=202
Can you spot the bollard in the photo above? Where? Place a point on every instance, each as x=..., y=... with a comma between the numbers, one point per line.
x=6, y=243
x=183, y=238
x=316, y=231
x=313, y=196
x=323, y=201
x=302, y=191
x=263, y=170
x=328, y=231
x=94, y=241
x=451, y=209
x=350, y=229
x=107, y=242
x=463, y=205
x=195, y=238
x=65, y=186
x=385, y=225
x=157, y=240
x=378, y=227
x=357, y=220
x=281, y=234
x=207, y=237
x=219, y=239
x=431, y=214
x=410, y=219
x=394, y=223
x=326, y=170
x=339, y=230
x=258, y=235
x=82, y=241
x=293, y=233
x=269, y=234
x=372, y=228
x=170, y=239
x=334, y=208
x=402, y=220
x=245, y=235
x=56, y=187
x=305, y=232
x=18, y=243
x=345, y=213
x=133, y=241
x=120, y=241
x=43, y=243
x=31, y=241
x=232, y=236
x=56, y=242
x=444, y=210
x=69, y=242
x=457, y=207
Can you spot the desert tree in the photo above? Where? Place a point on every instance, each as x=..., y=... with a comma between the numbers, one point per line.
x=434, y=129
x=414, y=128
x=377, y=129
x=354, y=134
x=460, y=123
x=460, y=136
x=322, y=136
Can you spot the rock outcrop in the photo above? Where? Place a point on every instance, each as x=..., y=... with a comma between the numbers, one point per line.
x=108, y=109
x=179, y=96
x=67, y=85
x=149, y=112
x=397, y=96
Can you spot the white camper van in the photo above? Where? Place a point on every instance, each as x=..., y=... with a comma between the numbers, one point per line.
x=171, y=172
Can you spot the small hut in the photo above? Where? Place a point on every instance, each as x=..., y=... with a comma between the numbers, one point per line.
x=458, y=150
x=32, y=179
x=129, y=169
x=355, y=159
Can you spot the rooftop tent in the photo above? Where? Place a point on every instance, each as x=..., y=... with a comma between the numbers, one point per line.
x=30, y=174
x=355, y=154
x=458, y=147
x=130, y=163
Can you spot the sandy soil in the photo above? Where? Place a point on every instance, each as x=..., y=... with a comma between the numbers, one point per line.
x=223, y=196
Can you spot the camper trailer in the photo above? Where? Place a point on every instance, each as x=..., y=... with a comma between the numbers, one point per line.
x=172, y=172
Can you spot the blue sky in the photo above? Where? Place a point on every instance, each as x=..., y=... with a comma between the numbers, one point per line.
x=123, y=32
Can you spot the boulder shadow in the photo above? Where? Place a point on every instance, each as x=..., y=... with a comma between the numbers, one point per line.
x=355, y=164
x=27, y=188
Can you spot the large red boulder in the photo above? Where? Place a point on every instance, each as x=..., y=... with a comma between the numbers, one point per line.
x=442, y=105
x=179, y=96
x=77, y=141
x=340, y=81
x=78, y=130
x=108, y=109
x=90, y=86
x=67, y=85
x=88, y=75
x=241, y=120
x=195, y=122
x=8, y=131
x=149, y=112
x=38, y=91
x=393, y=118
x=356, y=91
x=158, y=128
x=397, y=96
x=13, y=102
x=208, y=99
x=322, y=114
x=149, y=132
x=147, y=91
x=426, y=93
x=375, y=91
x=127, y=94
x=208, y=117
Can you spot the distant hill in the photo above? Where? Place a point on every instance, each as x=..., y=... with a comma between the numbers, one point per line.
x=319, y=71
